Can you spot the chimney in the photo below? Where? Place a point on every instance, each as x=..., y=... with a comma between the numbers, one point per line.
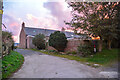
x=23, y=25
x=63, y=29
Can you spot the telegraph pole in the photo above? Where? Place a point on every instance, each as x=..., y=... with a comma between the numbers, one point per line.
x=1, y=12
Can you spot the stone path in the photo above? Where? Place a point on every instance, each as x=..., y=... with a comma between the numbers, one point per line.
x=38, y=65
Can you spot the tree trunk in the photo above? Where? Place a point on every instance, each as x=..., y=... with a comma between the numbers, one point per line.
x=109, y=44
x=100, y=45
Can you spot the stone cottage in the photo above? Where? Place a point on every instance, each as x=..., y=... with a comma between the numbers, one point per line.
x=27, y=34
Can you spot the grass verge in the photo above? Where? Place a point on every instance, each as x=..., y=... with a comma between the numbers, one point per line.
x=11, y=63
x=103, y=58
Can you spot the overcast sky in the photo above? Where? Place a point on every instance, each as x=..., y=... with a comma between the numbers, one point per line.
x=39, y=14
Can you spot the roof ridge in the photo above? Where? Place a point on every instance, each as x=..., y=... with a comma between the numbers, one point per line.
x=47, y=29
x=33, y=27
x=41, y=28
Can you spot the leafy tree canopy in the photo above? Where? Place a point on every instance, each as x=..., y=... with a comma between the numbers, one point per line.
x=96, y=18
x=39, y=41
x=58, y=40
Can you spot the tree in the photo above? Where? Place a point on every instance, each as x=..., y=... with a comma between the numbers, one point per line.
x=111, y=21
x=95, y=18
x=39, y=41
x=58, y=40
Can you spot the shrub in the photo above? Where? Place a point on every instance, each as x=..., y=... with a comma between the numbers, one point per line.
x=15, y=47
x=58, y=40
x=72, y=52
x=39, y=41
x=7, y=42
x=85, y=50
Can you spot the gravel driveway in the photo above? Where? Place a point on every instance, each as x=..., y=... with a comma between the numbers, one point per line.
x=39, y=65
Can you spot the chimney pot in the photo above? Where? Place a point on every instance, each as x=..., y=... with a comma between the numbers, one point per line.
x=63, y=29
x=23, y=24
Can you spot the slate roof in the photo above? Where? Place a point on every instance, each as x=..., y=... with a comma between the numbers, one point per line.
x=34, y=31
x=46, y=32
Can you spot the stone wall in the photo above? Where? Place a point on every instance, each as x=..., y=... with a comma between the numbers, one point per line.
x=71, y=45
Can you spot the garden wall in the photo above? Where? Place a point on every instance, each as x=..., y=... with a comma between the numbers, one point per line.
x=71, y=45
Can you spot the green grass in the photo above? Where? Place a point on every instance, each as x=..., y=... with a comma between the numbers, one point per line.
x=11, y=63
x=102, y=58
x=105, y=57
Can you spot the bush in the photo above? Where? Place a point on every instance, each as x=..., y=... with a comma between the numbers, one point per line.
x=7, y=42
x=15, y=47
x=58, y=40
x=85, y=50
x=39, y=41
x=72, y=52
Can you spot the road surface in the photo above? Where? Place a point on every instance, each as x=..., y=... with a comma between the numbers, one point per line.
x=39, y=65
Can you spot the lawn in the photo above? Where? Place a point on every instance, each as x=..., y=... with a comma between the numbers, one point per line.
x=11, y=63
x=103, y=58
